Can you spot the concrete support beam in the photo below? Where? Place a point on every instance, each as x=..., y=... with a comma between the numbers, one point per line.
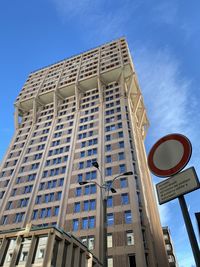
x=58, y=94
x=78, y=98
x=39, y=101
x=83, y=259
x=15, y=252
x=100, y=90
x=3, y=248
x=76, y=256
x=130, y=86
x=34, y=111
x=55, y=102
x=49, y=249
x=16, y=118
x=136, y=102
x=61, y=251
x=69, y=255
x=141, y=123
x=31, y=252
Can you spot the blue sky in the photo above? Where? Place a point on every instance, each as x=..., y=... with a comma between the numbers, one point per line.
x=164, y=39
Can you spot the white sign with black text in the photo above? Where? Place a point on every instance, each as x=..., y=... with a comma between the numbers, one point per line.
x=177, y=185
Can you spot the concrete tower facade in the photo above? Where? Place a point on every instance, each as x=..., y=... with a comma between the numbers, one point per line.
x=83, y=109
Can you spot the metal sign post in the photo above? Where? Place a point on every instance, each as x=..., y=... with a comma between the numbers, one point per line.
x=168, y=157
x=190, y=230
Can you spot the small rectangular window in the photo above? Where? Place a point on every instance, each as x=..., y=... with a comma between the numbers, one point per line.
x=129, y=238
x=128, y=217
x=110, y=219
x=109, y=241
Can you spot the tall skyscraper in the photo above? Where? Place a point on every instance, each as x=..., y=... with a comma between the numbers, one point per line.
x=84, y=109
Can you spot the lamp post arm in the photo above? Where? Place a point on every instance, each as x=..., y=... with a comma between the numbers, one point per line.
x=116, y=177
x=94, y=182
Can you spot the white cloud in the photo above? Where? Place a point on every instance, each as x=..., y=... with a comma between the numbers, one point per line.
x=169, y=97
x=165, y=93
x=76, y=8
x=100, y=19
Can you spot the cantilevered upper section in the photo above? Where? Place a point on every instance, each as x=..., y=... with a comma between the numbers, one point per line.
x=80, y=73
x=106, y=60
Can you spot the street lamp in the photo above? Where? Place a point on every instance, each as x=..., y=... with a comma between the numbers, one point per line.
x=105, y=189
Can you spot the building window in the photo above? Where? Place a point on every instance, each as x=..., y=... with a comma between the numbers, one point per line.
x=59, y=194
x=2, y=194
x=92, y=204
x=75, y=225
x=41, y=187
x=91, y=222
x=28, y=189
x=124, y=199
x=120, y=134
x=168, y=247
x=83, y=144
x=81, y=165
x=40, y=252
x=80, y=177
x=108, y=159
x=123, y=183
x=109, y=241
x=77, y=207
x=24, y=250
x=61, y=182
x=87, y=190
x=78, y=191
x=42, y=213
x=122, y=168
x=108, y=147
x=91, y=175
x=89, y=162
x=121, y=144
x=129, y=238
x=128, y=216
x=48, y=212
x=24, y=202
x=108, y=171
x=56, y=211
x=9, y=254
x=38, y=199
x=110, y=201
x=108, y=137
x=84, y=240
x=35, y=214
x=86, y=205
x=110, y=262
x=93, y=189
x=19, y=217
x=91, y=242
x=4, y=219
x=85, y=223
x=171, y=258
x=82, y=154
x=166, y=237
x=110, y=219
x=9, y=205
x=121, y=156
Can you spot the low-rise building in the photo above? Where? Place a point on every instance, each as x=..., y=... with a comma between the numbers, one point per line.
x=43, y=247
x=169, y=247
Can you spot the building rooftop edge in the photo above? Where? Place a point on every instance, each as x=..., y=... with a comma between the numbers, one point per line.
x=77, y=54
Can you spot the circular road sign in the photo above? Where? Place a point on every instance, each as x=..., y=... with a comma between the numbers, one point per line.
x=169, y=155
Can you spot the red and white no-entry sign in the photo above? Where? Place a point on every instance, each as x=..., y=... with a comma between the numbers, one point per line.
x=169, y=155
